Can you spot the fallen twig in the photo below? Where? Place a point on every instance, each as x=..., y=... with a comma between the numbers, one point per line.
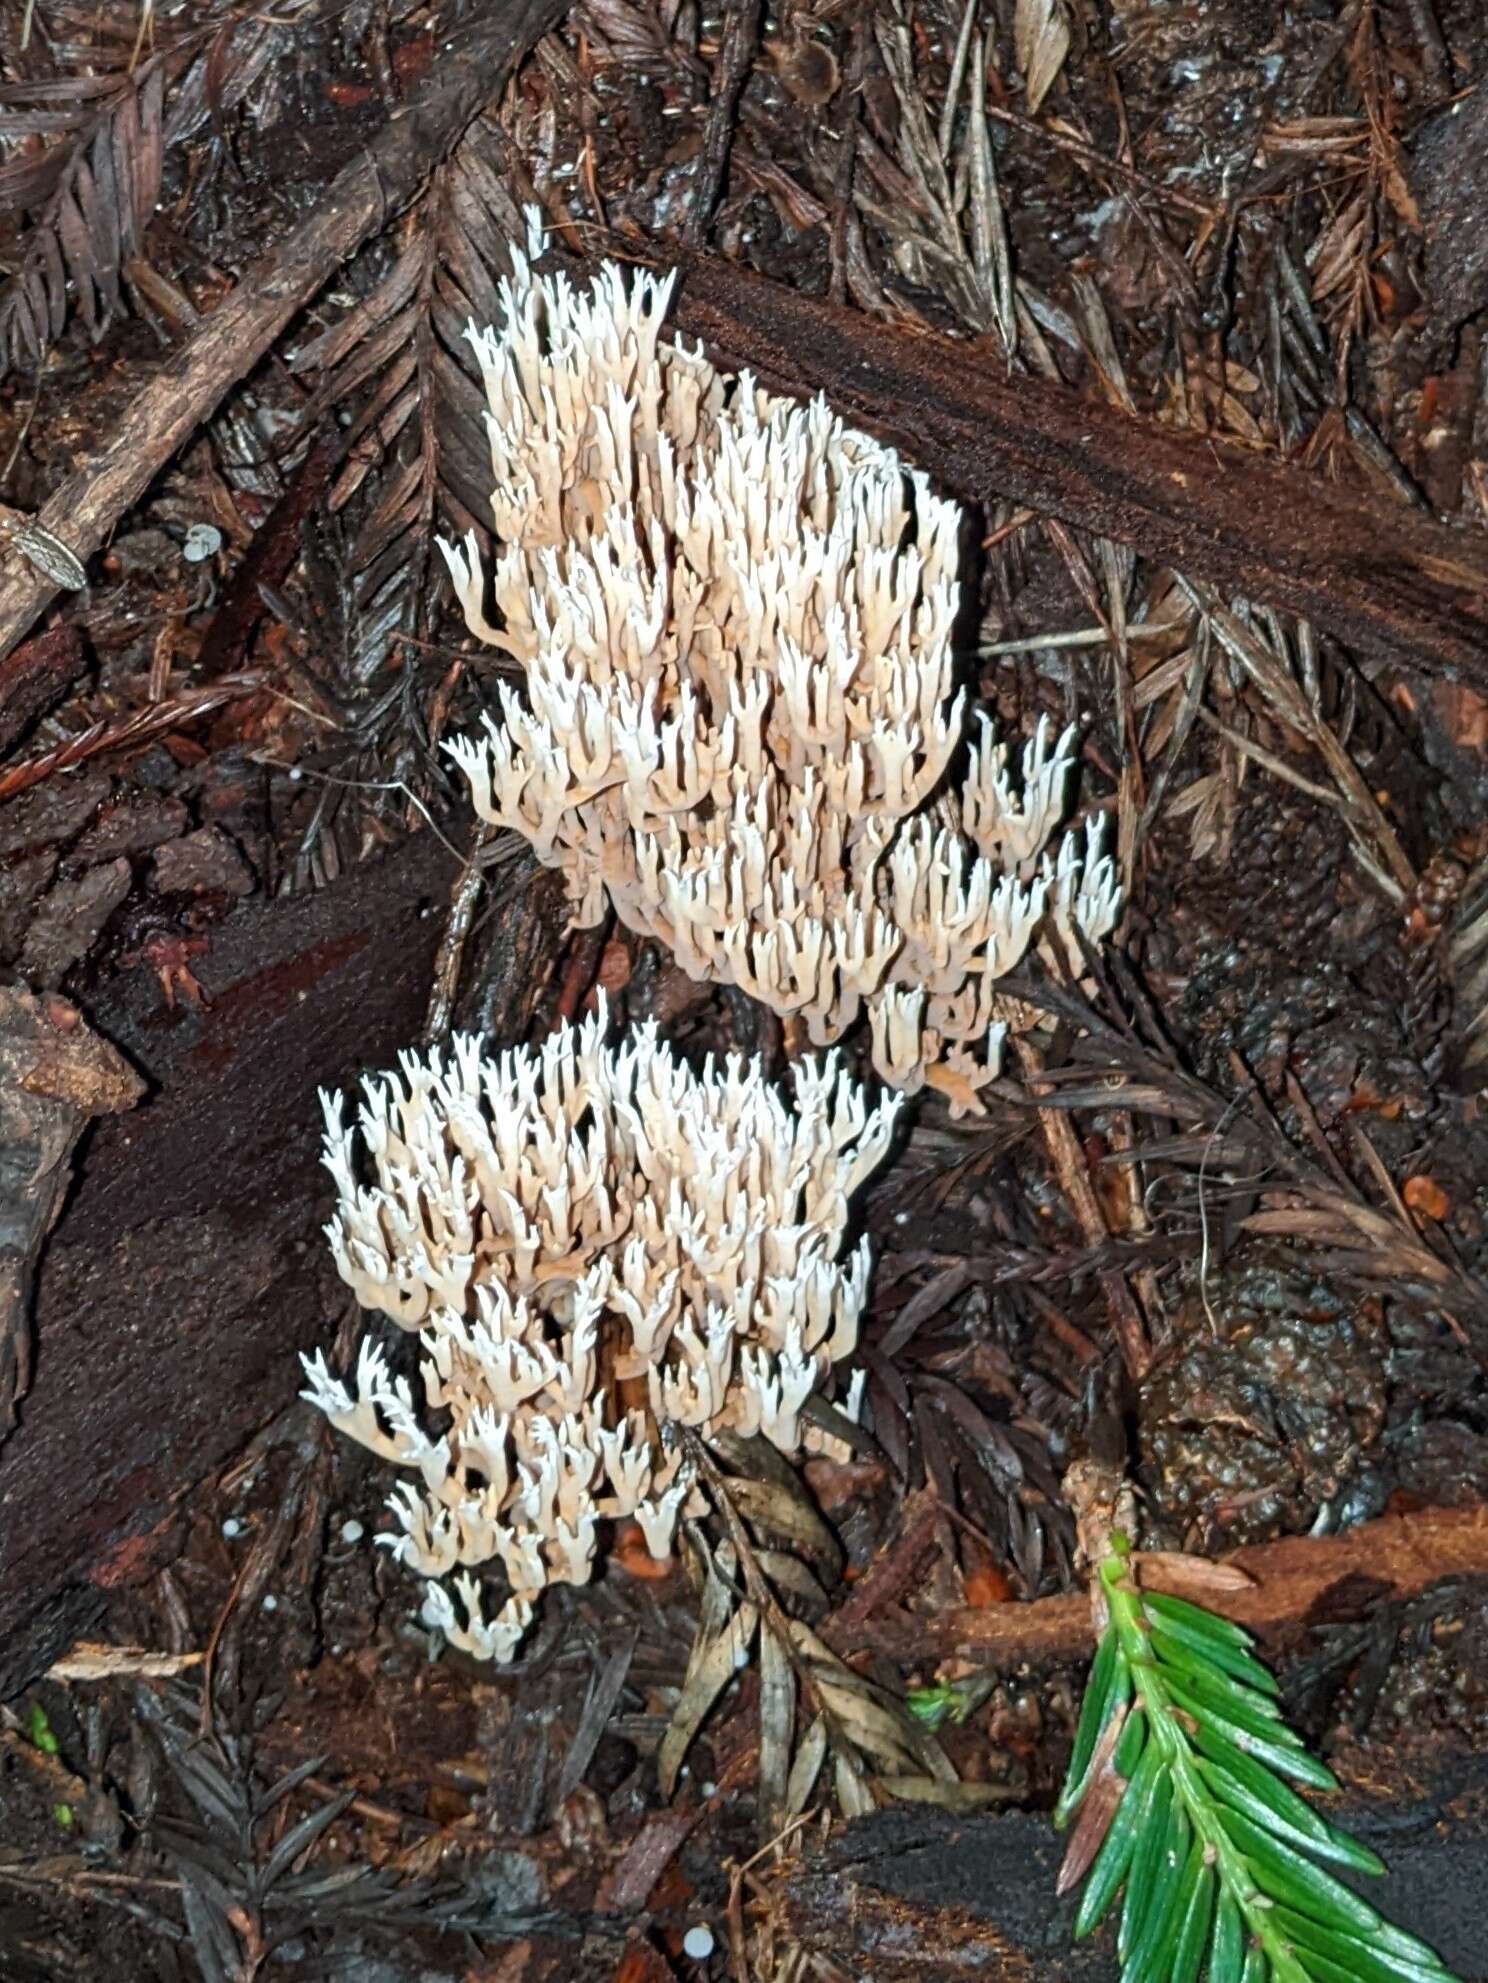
x=103, y=735
x=364, y=196
x=1074, y=1178
x=1294, y=1581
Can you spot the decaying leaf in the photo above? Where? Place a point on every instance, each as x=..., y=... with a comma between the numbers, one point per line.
x=716, y=1658
x=1182, y=1575
x=791, y=1518
x=1098, y=1806
x=47, y=552
x=810, y=1754
x=777, y=1732
x=1041, y=40
x=90, y=1661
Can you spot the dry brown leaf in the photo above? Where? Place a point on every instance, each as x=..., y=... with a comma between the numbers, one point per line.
x=948, y=1796
x=1098, y=1807
x=1424, y=1195
x=806, y=1768
x=1337, y=256
x=777, y=1732
x=790, y=1518
x=714, y=1662
x=90, y=1661
x=1180, y=1574
x=1041, y=40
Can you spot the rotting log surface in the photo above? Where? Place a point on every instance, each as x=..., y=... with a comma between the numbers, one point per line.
x=914, y=1896
x=1398, y=587
x=188, y=1270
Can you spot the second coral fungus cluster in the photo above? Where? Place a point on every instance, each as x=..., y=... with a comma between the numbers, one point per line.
x=596, y=1244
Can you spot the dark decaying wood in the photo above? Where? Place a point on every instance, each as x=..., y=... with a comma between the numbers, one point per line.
x=55, y=1077
x=1399, y=587
x=1449, y=176
x=231, y=340
x=35, y=677
x=188, y=1268
x=915, y=1896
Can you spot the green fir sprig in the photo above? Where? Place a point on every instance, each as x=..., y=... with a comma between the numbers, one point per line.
x=1182, y=1813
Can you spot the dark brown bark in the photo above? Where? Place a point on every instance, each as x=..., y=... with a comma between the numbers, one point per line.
x=34, y=678
x=1398, y=587
x=188, y=1269
x=55, y=1077
x=1449, y=176
x=380, y=180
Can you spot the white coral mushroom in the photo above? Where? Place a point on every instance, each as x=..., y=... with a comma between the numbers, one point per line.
x=585, y=1193
x=734, y=615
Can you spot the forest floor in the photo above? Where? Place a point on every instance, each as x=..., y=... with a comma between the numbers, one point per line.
x=1227, y=1228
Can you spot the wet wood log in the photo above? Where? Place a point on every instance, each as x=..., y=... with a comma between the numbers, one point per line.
x=1398, y=587
x=188, y=1269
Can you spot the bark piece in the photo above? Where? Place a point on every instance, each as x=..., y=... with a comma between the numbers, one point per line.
x=200, y=862
x=133, y=824
x=55, y=1076
x=69, y=918
x=1449, y=177
x=22, y=881
x=34, y=678
x=51, y=813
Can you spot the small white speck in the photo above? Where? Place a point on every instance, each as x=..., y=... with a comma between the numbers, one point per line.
x=741, y=1658
x=203, y=541
x=709, y=1789
x=271, y=1603
x=698, y=1942
x=352, y=1531
x=231, y=1527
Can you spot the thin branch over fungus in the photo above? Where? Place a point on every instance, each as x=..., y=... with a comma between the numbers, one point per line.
x=520, y=1210
x=734, y=615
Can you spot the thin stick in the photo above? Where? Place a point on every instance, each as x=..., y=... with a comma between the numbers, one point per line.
x=183, y=392
x=1074, y=1178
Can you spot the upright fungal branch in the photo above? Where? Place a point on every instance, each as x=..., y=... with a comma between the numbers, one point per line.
x=734, y=615
x=594, y=1244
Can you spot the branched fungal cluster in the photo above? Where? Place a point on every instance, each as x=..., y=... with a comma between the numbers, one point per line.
x=734, y=615
x=594, y=1244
